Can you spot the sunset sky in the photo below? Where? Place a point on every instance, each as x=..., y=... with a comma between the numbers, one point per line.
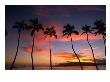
x=57, y=16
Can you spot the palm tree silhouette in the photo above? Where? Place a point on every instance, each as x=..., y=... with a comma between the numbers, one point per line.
x=101, y=30
x=50, y=32
x=34, y=26
x=69, y=30
x=19, y=26
x=86, y=30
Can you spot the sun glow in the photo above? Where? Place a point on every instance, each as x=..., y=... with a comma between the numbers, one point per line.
x=81, y=60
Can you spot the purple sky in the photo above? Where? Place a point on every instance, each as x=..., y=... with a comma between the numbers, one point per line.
x=57, y=16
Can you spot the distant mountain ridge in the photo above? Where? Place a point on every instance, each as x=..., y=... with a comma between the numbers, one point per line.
x=77, y=64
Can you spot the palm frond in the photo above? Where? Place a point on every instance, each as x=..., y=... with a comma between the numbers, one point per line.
x=45, y=36
x=87, y=29
x=75, y=32
x=83, y=33
x=19, y=26
x=99, y=28
x=40, y=27
x=29, y=27
x=50, y=31
x=32, y=32
x=64, y=34
x=55, y=36
x=95, y=33
x=68, y=30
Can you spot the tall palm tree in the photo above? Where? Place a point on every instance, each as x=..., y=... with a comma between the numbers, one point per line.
x=86, y=30
x=34, y=26
x=50, y=32
x=19, y=26
x=100, y=29
x=69, y=30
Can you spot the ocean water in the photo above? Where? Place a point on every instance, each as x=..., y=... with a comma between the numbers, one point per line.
x=101, y=67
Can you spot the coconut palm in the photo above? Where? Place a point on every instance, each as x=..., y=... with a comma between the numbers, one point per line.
x=50, y=32
x=86, y=30
x=34, y=26
x=19, y=26
x=100, y=29
x=68, y=30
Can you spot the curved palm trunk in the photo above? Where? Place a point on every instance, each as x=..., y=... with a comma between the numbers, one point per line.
x=50, y=55
x=76, y=55
x=16, y=52
x=104, y=44
x=32, y=52
x=92, y=53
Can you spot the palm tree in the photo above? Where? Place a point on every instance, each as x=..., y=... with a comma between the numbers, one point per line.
x=86, y=30
x=50, y=32
x=19, y=26
x=34, y=27
x=69, y=30
x=101, y=30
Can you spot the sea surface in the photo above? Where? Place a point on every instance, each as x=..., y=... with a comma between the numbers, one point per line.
x=101, y=67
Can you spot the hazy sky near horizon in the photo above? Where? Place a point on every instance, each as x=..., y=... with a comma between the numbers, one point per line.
x=56, y=16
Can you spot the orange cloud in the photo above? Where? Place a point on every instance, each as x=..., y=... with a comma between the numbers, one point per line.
x=87, y=52
x=27, y=50
x=41, y=56
x=88, y=49
x=70, y=57
x=35, y=51
x=88, y=55
x=42, y=41
x=39, y=39
x=80, y=37
x=66, y=55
